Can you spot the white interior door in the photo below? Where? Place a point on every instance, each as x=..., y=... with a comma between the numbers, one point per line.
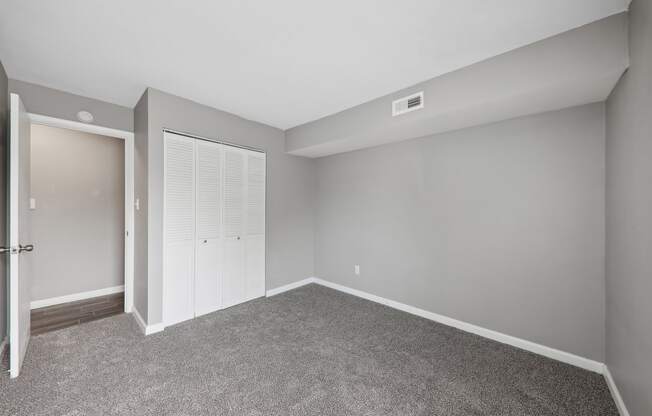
x=19, y=235
x=234, y=286
x=179, y=256
x=255, y=223
x=209, y=245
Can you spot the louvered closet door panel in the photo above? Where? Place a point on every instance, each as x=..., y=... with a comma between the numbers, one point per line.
x=255, y=223
x=178, y=284
x=234, y=290
x=209, y=245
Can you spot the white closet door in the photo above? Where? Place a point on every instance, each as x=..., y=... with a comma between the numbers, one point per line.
x=255, y=223
x=234, y=289
x=209, y=244
x=179, y=256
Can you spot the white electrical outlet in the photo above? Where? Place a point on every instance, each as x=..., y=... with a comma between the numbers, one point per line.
x=356, y=269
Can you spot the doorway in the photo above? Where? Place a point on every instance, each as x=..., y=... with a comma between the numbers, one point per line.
x=77, y=222
x=41, y=121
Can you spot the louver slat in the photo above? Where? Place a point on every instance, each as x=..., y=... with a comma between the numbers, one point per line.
x=233, y=193
x=179, y=190
x=209, y=209
x=256, y=195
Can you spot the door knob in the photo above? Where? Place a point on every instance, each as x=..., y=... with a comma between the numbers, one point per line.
x=28, y=248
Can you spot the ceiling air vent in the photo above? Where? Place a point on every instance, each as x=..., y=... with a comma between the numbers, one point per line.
x=407, y=104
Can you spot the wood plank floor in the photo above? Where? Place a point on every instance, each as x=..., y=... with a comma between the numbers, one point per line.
x=74, y=313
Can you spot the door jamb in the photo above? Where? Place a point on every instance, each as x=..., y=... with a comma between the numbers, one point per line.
x=128, y=137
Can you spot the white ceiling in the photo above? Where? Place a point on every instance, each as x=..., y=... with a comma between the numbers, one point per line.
x=282, y=62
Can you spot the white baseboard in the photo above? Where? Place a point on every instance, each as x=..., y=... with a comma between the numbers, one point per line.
x=273, y=292
x=153, y=329
x=615, y=393
x=549, y=352
x=75, y=297
x=139, y=320
x=147, y=329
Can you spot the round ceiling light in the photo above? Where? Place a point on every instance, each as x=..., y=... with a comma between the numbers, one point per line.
x=85, y=116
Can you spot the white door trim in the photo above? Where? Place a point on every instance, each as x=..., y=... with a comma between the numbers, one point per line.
x=128, y=137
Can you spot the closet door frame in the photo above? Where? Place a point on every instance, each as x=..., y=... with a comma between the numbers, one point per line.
x=164, y=234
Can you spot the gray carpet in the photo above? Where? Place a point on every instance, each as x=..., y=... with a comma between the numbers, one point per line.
x=311, y=351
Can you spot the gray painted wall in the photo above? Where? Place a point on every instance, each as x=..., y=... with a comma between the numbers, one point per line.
x=78, y=182
x=575, y=67
x=290, y=189
x=140, y=215
x=55, y=103
x=501, y=225
x=4, y=145
x=629, y=220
